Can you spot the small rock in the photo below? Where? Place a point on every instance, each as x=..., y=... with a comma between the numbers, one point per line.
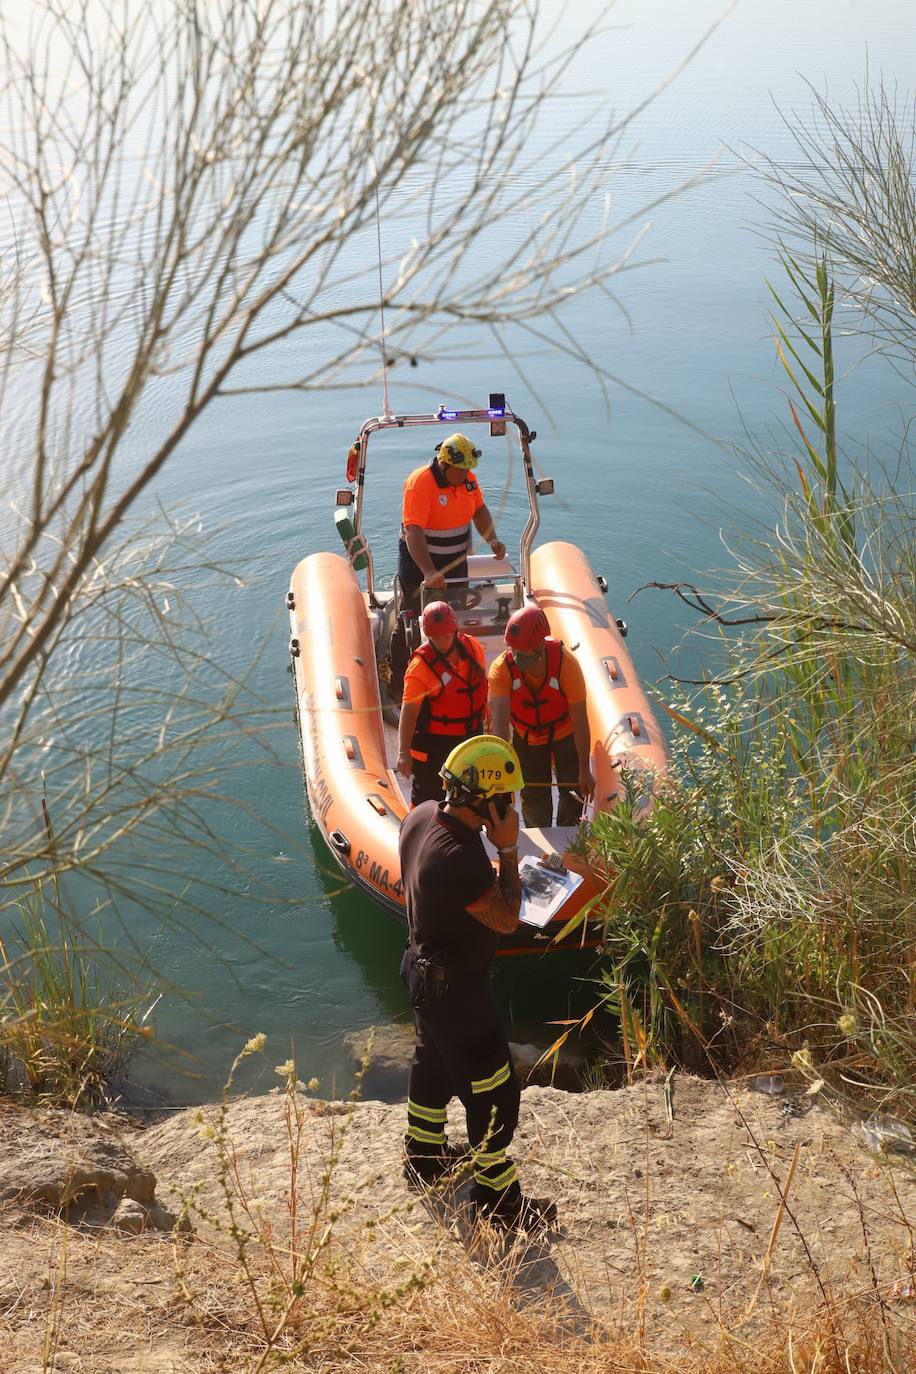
x=771, y=1084
x=385, y=1080
x=567, y=1074
x=161, y=1219
x=129, y=1216
x=885, y=1135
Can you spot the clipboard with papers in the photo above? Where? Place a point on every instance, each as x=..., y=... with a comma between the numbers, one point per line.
x=544, y=890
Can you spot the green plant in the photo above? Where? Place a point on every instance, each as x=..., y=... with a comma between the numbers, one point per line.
x=65, y=1035
x=770, y=883
x=852, y=169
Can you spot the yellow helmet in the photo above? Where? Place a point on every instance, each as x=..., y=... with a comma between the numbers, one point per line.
x=480, y=768
x=458, y=450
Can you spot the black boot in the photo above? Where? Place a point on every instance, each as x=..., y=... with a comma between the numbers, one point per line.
x=423, y=1171
x=404, y=639
x=512, y=1211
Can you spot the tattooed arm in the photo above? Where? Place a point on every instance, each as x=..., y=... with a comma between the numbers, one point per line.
x=499, y=906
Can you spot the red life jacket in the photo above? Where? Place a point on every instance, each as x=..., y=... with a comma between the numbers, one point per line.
x=458, y=707
x=538, y=712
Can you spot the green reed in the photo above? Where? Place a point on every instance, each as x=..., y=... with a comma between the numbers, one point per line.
x=65, y=1035
x=769, y=889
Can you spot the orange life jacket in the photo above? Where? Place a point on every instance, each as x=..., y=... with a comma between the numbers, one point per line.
x=458, y=707
x=537, y=712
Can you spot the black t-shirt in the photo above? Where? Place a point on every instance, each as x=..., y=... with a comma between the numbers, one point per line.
x=444, y=868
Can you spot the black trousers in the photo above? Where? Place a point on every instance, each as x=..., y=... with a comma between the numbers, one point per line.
x=539, y=763
x=461, y=1051
x=410, y=581
x=425, y=783
x=410, y=578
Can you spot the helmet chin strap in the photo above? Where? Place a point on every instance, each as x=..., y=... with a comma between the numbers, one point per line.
x=459, y=795
x=481, y=805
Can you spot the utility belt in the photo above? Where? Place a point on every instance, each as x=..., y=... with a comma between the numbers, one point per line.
x=443, y=728
x=427, y=979
x=536, y=738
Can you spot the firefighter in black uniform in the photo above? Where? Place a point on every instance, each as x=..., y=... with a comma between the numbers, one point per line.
x=456, y=913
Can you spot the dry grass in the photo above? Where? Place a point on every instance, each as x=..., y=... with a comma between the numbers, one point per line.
x=108, y=1303
x=310, y=1254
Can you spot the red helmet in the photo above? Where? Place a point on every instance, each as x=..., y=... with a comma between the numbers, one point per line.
x=439, y=619
x=527, y=629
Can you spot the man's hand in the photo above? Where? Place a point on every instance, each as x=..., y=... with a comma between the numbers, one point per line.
x=498, y=547
x=586, y=782
x=499, y=906
x=404, y=764
x=434, y=580
x=502, y=831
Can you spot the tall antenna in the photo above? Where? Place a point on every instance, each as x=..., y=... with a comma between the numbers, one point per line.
x=381, y=306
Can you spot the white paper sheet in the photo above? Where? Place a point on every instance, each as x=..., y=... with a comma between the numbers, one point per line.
x=543, y=891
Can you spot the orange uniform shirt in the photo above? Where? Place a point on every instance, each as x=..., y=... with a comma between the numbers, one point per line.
x=436, y=509
x=572, y=683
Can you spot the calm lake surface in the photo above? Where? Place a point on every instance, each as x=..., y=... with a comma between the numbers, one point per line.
x=642, y=492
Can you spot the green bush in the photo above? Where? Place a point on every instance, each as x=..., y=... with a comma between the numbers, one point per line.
x=767, y=897
x=64, y=1035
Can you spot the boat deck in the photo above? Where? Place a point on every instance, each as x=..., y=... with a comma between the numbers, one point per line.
x=537, y=841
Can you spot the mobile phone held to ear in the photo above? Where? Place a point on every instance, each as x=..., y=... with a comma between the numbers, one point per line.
x=502, y=803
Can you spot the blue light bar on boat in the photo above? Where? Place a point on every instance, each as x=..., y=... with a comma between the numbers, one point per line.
x=494, y=413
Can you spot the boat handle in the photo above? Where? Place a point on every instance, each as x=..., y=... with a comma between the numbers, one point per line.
x=339, y=841
x=342, y=691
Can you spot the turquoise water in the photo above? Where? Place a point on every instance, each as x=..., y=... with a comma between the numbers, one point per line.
x=645, y=494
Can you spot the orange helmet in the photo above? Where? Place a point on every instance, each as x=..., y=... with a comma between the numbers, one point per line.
x=439, y=619
x=527, y=629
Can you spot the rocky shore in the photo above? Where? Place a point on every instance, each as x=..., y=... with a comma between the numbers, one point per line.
x=688, y=1200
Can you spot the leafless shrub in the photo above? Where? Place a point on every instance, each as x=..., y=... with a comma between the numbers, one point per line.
x=191, y=189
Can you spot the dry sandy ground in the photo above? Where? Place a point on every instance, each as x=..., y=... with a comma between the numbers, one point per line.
x=668, y=1222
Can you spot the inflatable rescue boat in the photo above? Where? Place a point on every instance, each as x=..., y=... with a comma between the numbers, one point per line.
x=340, y=635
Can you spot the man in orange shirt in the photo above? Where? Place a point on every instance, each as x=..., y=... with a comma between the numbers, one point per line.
x=440, y=501
x=444, y=701
x=538, y=688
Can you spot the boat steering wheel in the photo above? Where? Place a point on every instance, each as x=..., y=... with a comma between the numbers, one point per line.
x=467, y=601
